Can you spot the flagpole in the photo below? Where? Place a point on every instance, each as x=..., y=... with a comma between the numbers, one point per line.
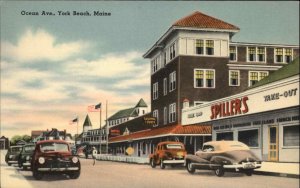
x=100, y=130
x=106, y=130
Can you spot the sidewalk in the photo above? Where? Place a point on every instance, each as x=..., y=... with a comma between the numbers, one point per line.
x=9, y=176
x=279, y=169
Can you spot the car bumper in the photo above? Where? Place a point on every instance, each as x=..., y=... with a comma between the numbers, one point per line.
x=173, y=161
x=248, y=165
x=12, y=162
x=26, y=164
x=58, y=169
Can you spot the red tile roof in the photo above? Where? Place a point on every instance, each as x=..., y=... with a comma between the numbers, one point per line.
x=169, y=130
x=200, y=20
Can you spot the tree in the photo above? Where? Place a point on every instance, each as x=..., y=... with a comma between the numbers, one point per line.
x=26, y=138
x=15, y=139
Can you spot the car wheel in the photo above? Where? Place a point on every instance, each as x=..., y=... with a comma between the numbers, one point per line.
x=152, y=163
x=190, y=167
x=162, y=165
x=74, y=175
x=219, y=171
x=249, y=172
x=37, y=175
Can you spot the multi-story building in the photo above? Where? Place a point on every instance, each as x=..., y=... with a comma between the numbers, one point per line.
x=196, y=61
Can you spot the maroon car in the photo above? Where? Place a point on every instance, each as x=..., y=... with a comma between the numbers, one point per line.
x=52, y=157
x=222, y=156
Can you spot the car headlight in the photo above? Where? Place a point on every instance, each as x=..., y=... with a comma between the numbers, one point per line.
x=75, y=160
x=28, y=157
x=41, y=160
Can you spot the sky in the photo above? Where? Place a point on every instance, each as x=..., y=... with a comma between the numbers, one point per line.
x=53, y=66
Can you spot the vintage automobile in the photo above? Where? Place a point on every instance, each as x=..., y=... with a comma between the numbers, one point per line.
x=168, y=153
x=12, y=155
x=52, y=157
x=25, y=156
x=222, y=156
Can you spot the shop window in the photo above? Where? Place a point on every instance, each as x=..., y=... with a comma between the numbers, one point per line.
x=225, y=136
x=249, y=137
x=291, y=135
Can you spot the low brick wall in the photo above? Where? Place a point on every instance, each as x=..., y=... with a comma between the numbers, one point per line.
x=127, y=159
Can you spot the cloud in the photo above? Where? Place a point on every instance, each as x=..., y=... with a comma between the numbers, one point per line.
x=41, y=45
x=107, y=66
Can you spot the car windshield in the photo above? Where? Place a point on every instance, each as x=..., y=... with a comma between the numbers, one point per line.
x=174, y=146
x=16, y=149
x=28, y=148
x=61, y=147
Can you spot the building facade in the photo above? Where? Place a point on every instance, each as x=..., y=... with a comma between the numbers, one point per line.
x=265, y=117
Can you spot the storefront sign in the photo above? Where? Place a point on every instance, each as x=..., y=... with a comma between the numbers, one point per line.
x=114, y=132
x=229, y=108
x=150, y=120
x=284, y=94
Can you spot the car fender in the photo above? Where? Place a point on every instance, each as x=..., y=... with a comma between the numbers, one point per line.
x=221, y=160
x=195, y=159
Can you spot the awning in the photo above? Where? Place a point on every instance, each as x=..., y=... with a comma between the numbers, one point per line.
x=174, y=130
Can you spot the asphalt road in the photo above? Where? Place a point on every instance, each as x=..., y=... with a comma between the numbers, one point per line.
x=106, y=174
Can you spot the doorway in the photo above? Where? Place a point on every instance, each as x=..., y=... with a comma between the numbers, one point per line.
x=273, y=143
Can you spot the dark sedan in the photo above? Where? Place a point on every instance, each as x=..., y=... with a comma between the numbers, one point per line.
x=222, y=156
x=26, y=156
x=12, y=155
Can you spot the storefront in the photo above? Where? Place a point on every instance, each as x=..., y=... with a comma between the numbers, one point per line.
x=266, y=118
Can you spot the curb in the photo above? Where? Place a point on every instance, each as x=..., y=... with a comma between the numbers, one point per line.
x=278, y=174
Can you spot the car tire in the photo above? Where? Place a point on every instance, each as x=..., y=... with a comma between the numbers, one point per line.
x=162, y=165
x=189, y=167
x=249, y=172
x=74, y=175
x=37, y=175
x=152, y=163
x=219, y=171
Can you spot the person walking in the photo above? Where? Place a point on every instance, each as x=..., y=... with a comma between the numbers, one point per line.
x=94, y=153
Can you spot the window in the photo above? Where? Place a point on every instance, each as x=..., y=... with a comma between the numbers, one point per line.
x=279, y=55
x=155, y=64
x=261, y=54
x=225, y=136
x=165, y=58
x=204, y=78
x=288, y=55
x=155, y=90
x=210, y=47
x=172, y=112
x=251, y=54
x=155, y=114
x=172, y=83
x=199, y=47
x=165, y=86
x=255, y=76
x=165, y=115
x=249, y=137
x=291, y=135
x=172, y=51
x=232, y=53
x=234, y=78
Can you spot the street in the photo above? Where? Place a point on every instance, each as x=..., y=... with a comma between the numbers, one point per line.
x=107, y=174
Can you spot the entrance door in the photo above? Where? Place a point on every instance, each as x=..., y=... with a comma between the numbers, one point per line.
x=273, y=143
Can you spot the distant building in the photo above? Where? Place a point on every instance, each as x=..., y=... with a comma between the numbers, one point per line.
x=53, y=134
x=4, y=143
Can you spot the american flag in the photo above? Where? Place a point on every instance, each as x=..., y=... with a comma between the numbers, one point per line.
x=73, y=121
x=94, y=108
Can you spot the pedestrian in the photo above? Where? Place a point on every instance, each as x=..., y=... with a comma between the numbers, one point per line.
x=94, y=153
x=86, y=152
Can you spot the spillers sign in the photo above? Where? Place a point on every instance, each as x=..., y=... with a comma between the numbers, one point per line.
x=229, y=108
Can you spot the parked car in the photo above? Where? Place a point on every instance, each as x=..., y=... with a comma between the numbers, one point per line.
x=52, y=157
x=168, y=153
x=12, y=155
x=222, y=156
x=26, y=156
